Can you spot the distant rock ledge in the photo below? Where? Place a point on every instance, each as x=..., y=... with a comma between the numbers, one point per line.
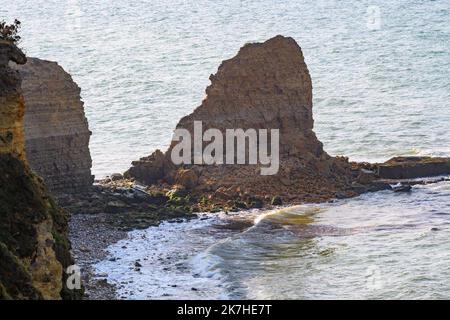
x=413, y=167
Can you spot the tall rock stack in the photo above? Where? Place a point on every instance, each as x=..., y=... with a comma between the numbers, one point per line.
x=56, y=129
x=265, y=86
x=34, y=249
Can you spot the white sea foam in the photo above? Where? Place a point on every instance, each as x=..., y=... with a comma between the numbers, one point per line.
x=313, y=251
x=175, y=259
x=166, y=254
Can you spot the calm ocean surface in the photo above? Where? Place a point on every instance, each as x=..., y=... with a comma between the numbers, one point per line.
x=380, y=73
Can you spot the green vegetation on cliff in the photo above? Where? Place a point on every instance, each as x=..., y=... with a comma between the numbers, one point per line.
x=25, y=204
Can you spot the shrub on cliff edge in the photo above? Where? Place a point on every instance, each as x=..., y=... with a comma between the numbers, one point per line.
x=9, y=32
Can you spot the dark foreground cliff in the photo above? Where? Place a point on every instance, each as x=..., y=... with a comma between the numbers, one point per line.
x=34, y=249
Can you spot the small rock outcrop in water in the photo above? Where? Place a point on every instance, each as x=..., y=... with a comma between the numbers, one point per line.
x=34, y=249
x=413, y=167
x=265, y=86
x=56, y=129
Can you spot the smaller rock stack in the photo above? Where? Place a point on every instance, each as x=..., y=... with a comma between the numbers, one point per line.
x=56, y=129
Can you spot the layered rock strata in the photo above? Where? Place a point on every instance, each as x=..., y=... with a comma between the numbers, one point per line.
x=56, y=129
x=34, y=250
x=265, y=86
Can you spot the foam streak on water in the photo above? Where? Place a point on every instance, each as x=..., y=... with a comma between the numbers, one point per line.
x=377, y=246
x=142, y=65
x=173, y=258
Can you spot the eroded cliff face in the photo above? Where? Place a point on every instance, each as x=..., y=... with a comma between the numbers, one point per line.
x=265, y=86
x=34, y=249
x=56, y=129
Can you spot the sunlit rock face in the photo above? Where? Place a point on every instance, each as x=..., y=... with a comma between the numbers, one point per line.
x=265, y=86
x=56, y=129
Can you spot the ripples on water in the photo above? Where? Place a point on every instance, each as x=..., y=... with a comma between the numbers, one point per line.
x=377, y=246
x=142, y=65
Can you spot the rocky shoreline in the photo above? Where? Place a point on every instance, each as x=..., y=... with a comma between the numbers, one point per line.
x=110, y=216
x=104, y=214
x=90, y=235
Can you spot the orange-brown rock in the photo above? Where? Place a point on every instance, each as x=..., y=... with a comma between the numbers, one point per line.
x=187, y=178
x=265, y=86
x=56, y=129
